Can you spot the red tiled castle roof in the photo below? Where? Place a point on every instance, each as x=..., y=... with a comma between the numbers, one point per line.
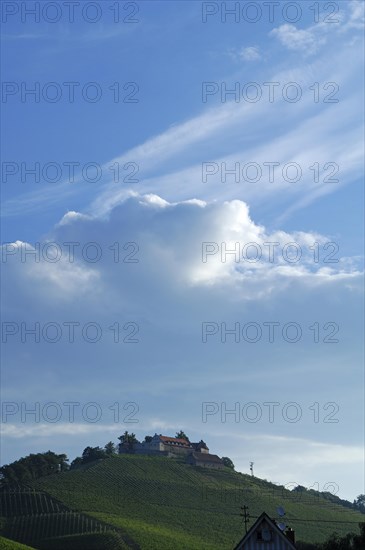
x=175, y=440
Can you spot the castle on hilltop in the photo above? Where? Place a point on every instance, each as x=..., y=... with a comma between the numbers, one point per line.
x=196, y=454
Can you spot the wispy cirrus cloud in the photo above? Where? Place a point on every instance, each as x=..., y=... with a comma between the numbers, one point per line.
x=170, y=164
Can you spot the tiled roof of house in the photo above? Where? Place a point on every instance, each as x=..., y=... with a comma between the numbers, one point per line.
x=205, y=457
x=174, y=440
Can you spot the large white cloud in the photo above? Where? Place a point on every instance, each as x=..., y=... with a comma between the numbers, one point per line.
x=182, y=245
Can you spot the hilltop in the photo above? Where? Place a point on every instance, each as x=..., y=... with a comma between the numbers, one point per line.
x=163, y=503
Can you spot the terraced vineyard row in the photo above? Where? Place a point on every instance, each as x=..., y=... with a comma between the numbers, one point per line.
x=36, y=518
x=33, y=528
x=18, y=501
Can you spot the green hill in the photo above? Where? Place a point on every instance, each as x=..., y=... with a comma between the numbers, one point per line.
x=162, y=503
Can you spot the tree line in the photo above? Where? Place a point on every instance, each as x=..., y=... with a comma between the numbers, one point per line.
x=351, y=541
x=33, y=466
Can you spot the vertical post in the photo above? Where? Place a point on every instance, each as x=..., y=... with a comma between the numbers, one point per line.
x=245, y=515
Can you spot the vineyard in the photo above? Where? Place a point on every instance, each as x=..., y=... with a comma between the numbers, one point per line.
x=34, y=517
x=35, y=527
x=20, y=500
x=163, y=503
x=134, y=501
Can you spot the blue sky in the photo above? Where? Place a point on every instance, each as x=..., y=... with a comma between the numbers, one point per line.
x=170, y=137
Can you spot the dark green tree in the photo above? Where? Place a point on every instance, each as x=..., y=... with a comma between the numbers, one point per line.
x=63, y=462
x=93, y=453
x=228, y=462
x=76, y=463
x=182, y=435
x=33, y=466
x=299, y=489
x=110, y=448
x=351, y=541
x=359, y=503
x=128, y=438
x=127, y=442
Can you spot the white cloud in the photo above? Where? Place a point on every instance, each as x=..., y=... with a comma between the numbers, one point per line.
x=357, y=15
x=46, y=266
x=154, y=200
x=249, y=53
x=176, y=233
x=71, y=216
x=307, y=41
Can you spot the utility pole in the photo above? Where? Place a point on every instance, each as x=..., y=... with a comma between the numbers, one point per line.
x=251, y=467
x=245, y=515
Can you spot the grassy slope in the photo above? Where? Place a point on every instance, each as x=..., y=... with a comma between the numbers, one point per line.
x=91, y=541
x=7, y=544
x=163, y=503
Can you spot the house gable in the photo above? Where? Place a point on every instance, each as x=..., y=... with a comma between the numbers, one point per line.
x=265, y=534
